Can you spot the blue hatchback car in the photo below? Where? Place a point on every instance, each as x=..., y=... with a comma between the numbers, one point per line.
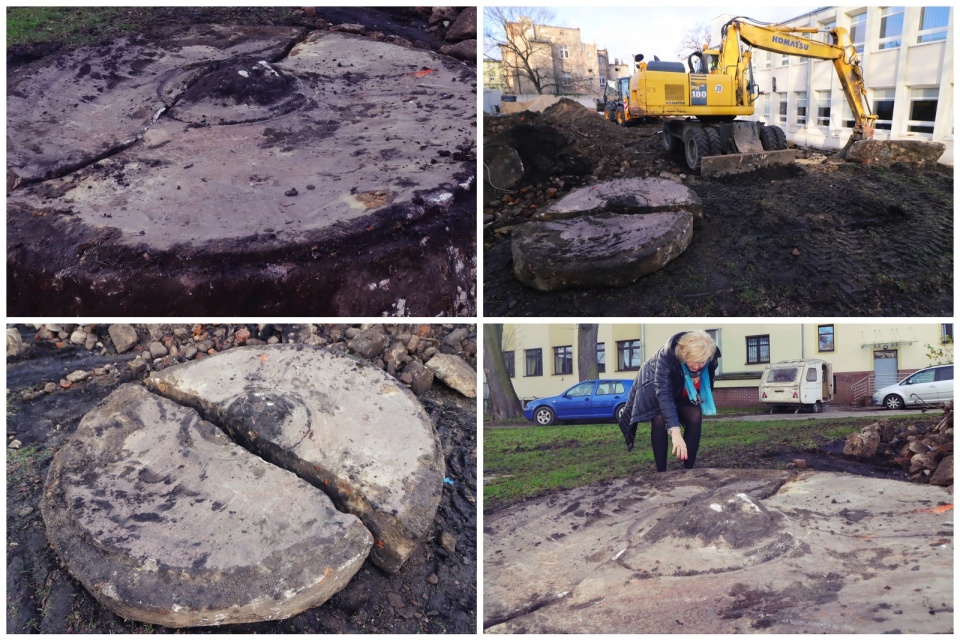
x=601, y=400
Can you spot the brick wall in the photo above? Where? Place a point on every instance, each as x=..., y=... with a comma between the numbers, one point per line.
x=738, y=397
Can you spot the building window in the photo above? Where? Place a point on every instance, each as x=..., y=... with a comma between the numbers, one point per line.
x=825, y=337
x=628, y=355
x=767, y=59
x=946, y=333
x=508, y=361
x=783, y=107
x=848, y=120
x=883, y=107
x=562, y=361
x=601, y=357
x=923, y=110
x=758, y=349
x=784, y=60
x=891, y=27
x=823, y=108
x=858, y=27
x=801, y=107
x=566, y=78
x=933, y=24
x=562, y=52
x=826, y=27
x=534, y=362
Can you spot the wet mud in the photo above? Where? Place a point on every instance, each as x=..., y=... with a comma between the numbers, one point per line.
x=817, y=238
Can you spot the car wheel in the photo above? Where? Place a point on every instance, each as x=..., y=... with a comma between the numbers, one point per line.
x=544, y=416
x=695, y=147
x=817, y=407
x=893, y=402
x=618, y=412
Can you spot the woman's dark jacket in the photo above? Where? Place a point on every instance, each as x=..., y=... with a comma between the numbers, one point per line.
x=658, y=386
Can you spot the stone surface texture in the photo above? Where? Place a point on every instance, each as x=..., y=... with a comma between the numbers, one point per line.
x=715, y=551
x=917, y=153
x=455, y=373
x=625, y=195
x=165, y=520
x=342, y=424
x=598, y=250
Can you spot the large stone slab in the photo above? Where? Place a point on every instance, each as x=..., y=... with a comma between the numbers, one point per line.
x=338, y=172
x=340, y=423
x=99, y=99
x=625, y=195
x=166, y=521
x=724, y=551
x=602, y=250
x=915, y=153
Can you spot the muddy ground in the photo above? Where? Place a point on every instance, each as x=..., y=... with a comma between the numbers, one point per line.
x=435, y=592
x=818, y=238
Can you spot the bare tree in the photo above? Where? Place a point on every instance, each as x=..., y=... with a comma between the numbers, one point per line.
x=693, y=39
x=503, y=399
x=587, y=351
x=514, y=31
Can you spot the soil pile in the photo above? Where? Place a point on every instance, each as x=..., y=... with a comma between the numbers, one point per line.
x=63, y=371
x=815, y=238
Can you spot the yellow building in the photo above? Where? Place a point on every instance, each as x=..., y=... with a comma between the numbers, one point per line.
x=542, y=358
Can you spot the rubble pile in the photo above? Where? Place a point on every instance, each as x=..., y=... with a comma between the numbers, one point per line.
x=926, y=451
x=414, y=354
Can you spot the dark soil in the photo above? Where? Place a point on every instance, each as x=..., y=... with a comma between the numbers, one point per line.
x=435, y=592
x=818, y=238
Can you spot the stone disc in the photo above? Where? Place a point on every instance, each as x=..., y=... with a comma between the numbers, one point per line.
x=340, y=423
x=165, y=520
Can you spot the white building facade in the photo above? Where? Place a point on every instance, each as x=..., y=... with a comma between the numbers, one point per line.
x=907, y=58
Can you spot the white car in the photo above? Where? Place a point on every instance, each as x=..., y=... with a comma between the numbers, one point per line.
x=927, y=386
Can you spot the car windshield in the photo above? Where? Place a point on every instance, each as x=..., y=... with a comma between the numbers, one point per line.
x=782, y=374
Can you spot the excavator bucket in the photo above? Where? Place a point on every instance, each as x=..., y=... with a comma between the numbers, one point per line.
x=751, y=156
x=735, y=163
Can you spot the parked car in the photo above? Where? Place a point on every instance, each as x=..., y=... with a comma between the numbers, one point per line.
x=797, y=384
x=927, y=386
x=601, y=400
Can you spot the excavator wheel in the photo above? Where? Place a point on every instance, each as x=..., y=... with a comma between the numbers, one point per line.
x=713, y=142
x=695, y=147
x=621, y=117
x=768, y=139
x=781, y=138
x=670, y=142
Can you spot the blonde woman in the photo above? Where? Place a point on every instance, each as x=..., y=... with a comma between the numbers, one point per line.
x=673, y=390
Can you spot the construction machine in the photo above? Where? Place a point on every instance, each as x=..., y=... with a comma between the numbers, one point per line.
x=700, y=106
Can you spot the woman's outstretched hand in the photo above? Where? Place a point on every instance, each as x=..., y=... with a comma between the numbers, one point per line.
x=679, y=446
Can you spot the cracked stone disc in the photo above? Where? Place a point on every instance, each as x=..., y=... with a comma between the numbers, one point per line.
x=165, y=520
x=342, y=424
x=217, y=168
x=724, y=551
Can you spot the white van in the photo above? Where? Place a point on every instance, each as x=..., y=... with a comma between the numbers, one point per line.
x=798, y=384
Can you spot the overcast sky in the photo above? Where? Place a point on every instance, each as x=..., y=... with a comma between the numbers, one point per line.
x=624, y=31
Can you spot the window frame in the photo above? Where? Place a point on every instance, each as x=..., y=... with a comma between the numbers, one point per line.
x=800, y=108
x=563, y=360
x=758, y=347
x=823, y=108
x=855, y=32
x=921, y=126
x=538, y=363
x=510, y=362
x=933, y=31
x=631, y=347
x=820, y=336
x=601, y=357
x=563, y=53
x=886, y=43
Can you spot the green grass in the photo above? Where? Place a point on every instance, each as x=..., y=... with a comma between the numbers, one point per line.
x=74, y=26
x=522, y=463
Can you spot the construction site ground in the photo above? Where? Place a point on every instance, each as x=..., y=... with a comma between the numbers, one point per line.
x=820, y=237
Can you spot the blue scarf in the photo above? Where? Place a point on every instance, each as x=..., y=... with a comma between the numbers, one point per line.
x=706, y=395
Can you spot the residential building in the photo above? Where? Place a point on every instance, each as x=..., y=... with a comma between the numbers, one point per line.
x=562, y=63
x=493, y=75
x=907, y=58
x=542, y=358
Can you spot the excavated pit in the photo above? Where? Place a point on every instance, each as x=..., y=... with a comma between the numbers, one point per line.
x=250, y=487
x=201, y=174
x=724, y=551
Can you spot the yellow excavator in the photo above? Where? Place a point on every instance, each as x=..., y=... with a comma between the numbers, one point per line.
x=701, y=106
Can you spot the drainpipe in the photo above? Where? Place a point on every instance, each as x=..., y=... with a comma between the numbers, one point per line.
x=802, y=350
x=643, y=342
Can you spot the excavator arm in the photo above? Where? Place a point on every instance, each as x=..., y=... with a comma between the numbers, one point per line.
x=786, y=40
